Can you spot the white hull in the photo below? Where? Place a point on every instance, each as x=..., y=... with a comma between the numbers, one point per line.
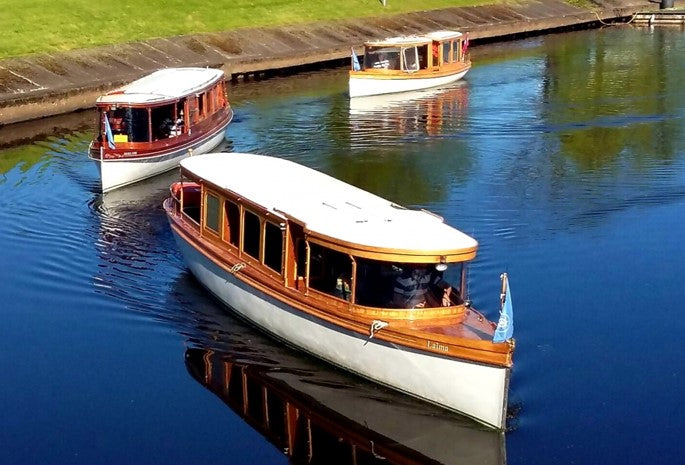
x=122, y=172
x=361, y=87
x=476, y=390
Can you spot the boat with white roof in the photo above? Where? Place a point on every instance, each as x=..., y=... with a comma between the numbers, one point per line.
x=146, y=127
x=407, y=63
x=345, y=275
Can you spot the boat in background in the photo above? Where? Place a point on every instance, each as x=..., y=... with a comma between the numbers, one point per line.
x=401, y=64
x=340, y=273
x=146, y=127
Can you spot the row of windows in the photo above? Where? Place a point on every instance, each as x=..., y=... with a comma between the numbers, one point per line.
x=451, y=51
x=365, y=282
x=226, y=223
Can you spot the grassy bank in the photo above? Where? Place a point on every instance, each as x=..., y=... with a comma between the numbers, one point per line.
x=33, y=26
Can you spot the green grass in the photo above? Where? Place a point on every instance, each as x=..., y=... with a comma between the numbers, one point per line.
x=34, y=26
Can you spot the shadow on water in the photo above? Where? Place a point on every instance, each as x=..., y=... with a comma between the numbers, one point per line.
x=316, y=414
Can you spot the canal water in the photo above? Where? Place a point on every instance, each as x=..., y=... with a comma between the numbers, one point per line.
x=563, y=155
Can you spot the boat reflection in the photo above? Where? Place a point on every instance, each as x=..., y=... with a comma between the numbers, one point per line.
x=431, y=112
x=315, y=414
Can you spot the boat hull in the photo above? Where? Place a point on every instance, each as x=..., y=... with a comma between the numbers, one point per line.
x=116, y=173
x=476, y=390
x=362, y=86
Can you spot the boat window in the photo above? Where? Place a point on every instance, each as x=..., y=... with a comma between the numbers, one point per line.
x=136, y=124
x=382, y=58
x=446, y=52
x=410, y=59
x=330, y=271
x=129, y=124
x=163, y=122
x=232, y=215
x=273, y=246
x=456, y=47
x=405, y=285
x=201, y=104
x=301, y=251
x=423, y=56
x=212, y=212
x=191, y=202
x=251, y=234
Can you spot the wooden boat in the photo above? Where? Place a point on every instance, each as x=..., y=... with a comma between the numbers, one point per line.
x=342, y=274
x=402, y=64
x=149, y=125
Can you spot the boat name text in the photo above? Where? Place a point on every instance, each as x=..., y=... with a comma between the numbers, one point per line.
x=437, y=346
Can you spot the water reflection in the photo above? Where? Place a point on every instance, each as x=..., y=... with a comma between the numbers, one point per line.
x=317, y=415
x=409, y=116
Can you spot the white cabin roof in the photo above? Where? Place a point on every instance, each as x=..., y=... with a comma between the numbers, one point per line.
x=415, y=39
x=443, y=35
x=328, y=206
x=165, y=84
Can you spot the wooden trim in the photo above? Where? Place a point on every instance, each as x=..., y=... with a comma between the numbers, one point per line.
x=320, y=306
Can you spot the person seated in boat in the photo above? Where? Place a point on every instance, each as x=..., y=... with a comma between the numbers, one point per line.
x=165, y=128
x=410, y=288
x=343, y=286
x=177, y=128
x=440, y=292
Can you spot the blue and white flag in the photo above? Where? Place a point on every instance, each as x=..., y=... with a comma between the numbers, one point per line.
x=355, y=62
x=505, y=325
x=108, y=134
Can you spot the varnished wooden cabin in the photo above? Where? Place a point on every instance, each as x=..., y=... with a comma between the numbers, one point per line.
x=409, y=63
x=345, y=275
x=146, y=127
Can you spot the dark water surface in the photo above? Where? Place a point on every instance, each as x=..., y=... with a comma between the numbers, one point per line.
x=563, y=155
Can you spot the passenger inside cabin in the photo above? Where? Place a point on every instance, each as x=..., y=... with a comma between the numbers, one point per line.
x=177, y=128
x=411, y=287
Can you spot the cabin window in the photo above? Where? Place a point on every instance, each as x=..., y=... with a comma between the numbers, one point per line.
x=301, y=252
x=212, y=212
x=129, y=124
x=382, y=58
x=273, y=246
x=410, y=59
x=251, y=234
x=456, y=48
x=405, y=285
x=330, y=271
x=446, y=52
x=201, y=104
x=232, y=214
x=163, y=122
x=423, y=56
x=191, y=203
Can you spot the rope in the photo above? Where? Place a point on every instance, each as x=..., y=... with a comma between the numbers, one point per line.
x=613, y=24
x=237, y=267
x=376, y=325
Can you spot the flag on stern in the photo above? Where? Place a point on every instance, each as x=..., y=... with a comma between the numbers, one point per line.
x=505, y=325
x=355, y=62
x=108, y=134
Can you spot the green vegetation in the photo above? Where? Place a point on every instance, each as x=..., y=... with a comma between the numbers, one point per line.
x=33, y=26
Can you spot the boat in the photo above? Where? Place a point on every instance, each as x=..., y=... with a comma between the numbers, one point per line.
x=146, y=127
x=356, y=280
x=408, y=63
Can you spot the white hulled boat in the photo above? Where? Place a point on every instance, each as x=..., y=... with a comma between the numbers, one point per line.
x=345, y=275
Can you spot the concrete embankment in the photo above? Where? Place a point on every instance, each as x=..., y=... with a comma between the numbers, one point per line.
x=37, y=86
